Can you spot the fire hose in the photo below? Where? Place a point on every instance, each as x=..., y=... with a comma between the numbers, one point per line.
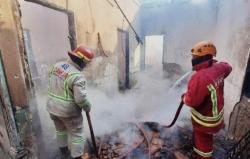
x=177, y=84
x=176, y=115
x=93, y=136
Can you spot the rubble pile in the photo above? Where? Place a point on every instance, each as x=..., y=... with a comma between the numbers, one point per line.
x=149, y=140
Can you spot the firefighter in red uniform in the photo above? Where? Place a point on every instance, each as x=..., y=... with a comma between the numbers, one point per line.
x=205, y=97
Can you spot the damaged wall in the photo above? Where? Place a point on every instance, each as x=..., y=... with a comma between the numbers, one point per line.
x=17, y=77
x=11, y=45
x=233, y=37
x=47, y=31
x=234, y=44
x=182, y=23
x=103, y=17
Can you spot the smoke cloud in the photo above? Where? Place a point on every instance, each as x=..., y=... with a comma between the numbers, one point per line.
x=151, y=99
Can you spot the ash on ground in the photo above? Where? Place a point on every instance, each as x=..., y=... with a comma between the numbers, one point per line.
x=150, y=140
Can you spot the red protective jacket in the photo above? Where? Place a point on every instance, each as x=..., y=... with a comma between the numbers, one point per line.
x=205, y=95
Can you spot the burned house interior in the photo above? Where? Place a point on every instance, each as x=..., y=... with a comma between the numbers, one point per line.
x=138, y=65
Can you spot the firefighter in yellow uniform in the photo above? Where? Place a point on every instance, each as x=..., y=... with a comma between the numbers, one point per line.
x=67, y=97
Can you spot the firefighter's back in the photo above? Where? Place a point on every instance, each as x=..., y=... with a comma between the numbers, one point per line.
x=60, y=97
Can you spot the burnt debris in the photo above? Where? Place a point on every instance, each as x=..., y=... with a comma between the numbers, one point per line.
x=150, y=140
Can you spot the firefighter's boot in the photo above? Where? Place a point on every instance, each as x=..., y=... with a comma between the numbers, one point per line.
x=65, y=152
x=85, y=156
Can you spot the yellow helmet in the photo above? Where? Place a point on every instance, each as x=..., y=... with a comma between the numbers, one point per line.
x=204, y=48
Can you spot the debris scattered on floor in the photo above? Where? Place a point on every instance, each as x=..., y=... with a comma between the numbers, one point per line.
x=152, y=140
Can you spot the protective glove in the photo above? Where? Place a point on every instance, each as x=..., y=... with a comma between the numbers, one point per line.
x=87, y=107
x=182, y=97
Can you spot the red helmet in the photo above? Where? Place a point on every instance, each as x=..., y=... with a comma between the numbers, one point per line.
x=82, y=53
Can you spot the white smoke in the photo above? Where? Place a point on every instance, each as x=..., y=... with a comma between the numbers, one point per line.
x=150, y=100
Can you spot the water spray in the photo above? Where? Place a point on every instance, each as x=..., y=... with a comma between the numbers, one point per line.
x=177, y=84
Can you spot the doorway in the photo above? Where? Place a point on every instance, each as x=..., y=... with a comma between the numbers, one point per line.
x=154, y=53
x=123, y=59
x=46, y=36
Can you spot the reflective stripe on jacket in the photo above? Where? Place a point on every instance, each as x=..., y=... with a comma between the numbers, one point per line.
x=66, y=92
x=205, y=95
